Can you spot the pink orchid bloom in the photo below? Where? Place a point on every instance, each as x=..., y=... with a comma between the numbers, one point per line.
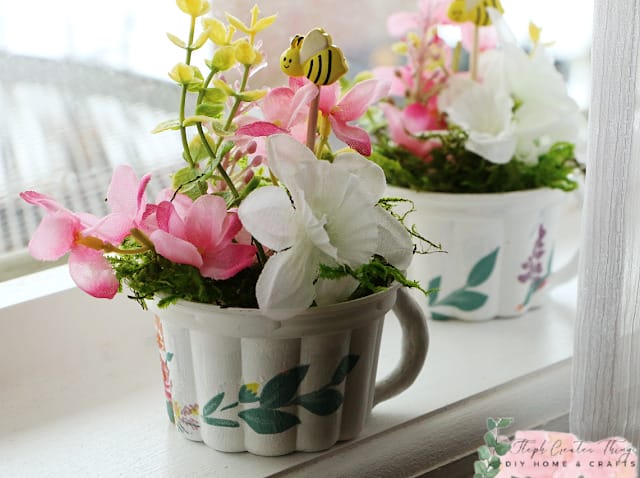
x=340, y=111
x=416, y=118
x=285, y=110
x=62, y=231
x=202, y=238
x=125, y=196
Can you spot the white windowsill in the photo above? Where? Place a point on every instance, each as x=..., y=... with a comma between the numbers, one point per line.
x=81, y=391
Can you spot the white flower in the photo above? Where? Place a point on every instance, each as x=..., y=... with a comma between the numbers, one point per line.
x=330, y=218
x=485, y=113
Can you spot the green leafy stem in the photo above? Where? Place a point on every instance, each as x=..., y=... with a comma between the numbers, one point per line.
x=464, y=298
x=279, y=392
x=488, y=464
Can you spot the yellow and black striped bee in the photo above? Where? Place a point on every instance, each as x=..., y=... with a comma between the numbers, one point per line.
x=315, y=57
x=475, y=11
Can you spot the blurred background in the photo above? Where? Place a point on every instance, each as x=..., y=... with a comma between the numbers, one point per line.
x=83, y=82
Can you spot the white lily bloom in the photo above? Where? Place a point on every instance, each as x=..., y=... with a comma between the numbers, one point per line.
x=331, y=218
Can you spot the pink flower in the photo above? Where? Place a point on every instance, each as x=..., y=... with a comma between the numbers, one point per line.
x=340, y=111
x=125, y=196
x=203, y=238
x=285, y=110
x=62, y=231
x=416, y=118
x=432, y=12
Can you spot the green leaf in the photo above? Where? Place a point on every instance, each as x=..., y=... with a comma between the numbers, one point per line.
x=266, y=421
x=246, y=395
x=502, y=448
x=278, y=391
x=200, y=41
x=437, y=316
x=172, y=124
x=434, y=284
x=494, y=462
x=480, y=467
x=344, y=367
x=195, y=119
x=490, y=440
x=466, y=300
x=213, y=404
x=169, y=356
x=492, y=424
x=322, y=402
x=210, y=110
x=219, y=422
x=227, y=407
x=492, y=473
x=484, y=453
x=176, y=41
x=504, y=422
x=483, y=269
x=214, y=96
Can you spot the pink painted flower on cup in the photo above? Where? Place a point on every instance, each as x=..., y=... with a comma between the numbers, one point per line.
x=202, y=238
x=61, y=232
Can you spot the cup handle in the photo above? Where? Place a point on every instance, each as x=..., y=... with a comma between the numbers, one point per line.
x=570, y=269
x=415, y=344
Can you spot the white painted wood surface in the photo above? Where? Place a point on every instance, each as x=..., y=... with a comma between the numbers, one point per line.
x=606, y=382
x=81, y=393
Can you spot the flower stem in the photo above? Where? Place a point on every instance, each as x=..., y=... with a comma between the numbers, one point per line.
x=475, y=52
x=312, y=122
x=183, y=99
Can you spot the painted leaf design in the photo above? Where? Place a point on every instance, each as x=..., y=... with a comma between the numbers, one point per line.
x=219, y=422
x=434, y=284
x=169, y=356
x=484, y=453
x=247, y=393
x=465, y=299
x=267, y=421
x=491, y=424
x=278, y=391
x=213, y=404
x=490, y=440
x=437, y=316
x=483, y=269
x=321, y=402
x=504, y=422
x=344, y=367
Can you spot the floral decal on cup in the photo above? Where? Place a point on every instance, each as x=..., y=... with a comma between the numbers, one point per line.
x=280, y=392
x=533, y=268
x=165, y=358
x=464, y=298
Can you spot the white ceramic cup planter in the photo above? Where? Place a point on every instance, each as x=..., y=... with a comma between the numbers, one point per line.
x=499, y=251
x=240, y=381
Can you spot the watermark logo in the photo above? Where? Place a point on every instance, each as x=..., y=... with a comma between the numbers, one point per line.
x=546, y=454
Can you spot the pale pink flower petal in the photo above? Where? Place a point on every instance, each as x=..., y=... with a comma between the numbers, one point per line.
x=260, y=128
x=175, y=249
x=169, y=220
x=358, y=99
x=226, y=262
x=203, y=224
x=92, y=273
x=354, y=136
x=121, y=194
x=54, y=236
x=398, y=24
x=42, y=200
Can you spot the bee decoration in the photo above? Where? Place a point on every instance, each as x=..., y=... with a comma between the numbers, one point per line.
x=473, y=11
x=315, y=57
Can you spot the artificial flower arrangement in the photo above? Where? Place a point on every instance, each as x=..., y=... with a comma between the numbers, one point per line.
x=264, y=214
x=481, y=116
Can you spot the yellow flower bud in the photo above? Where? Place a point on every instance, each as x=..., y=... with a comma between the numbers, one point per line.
x=195, y=8
x=534, y=33
x=224, y=58
x=400, y=48
x=182, y=74
x=245, y=53
x=216, y=30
